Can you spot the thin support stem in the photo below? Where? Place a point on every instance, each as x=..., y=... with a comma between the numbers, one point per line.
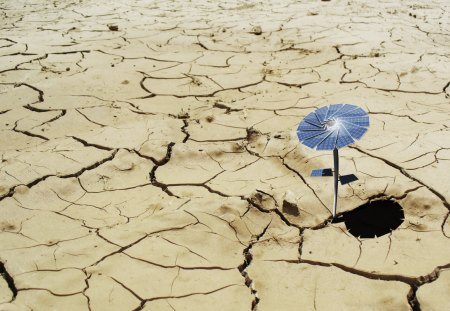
x=336, y=179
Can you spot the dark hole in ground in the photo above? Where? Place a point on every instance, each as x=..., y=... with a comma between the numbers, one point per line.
x=373, y=219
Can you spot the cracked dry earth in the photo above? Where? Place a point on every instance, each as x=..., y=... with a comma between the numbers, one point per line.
x=147, y=146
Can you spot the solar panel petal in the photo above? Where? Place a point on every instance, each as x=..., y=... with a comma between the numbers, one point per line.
x=308, y=134
x=312, y=142
x=343, y=141
x=361, y=121
x=306, y=126
x=330, y=141
x=355, y=113
x=321, y=113
x=344, y=138
x=344, y=110
x=354, y=130
x=333, y=110
x=312, y=119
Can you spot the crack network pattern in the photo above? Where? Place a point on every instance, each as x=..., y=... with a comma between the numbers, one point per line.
x=148, y=149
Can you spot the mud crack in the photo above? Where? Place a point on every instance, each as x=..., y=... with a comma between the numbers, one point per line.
x=152, y=174
x=9, y=280
x=248, y=258
x=408, y=175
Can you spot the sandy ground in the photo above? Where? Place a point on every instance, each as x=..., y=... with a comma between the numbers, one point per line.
x=147, y=148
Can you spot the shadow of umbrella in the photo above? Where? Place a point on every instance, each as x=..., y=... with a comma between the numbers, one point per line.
x=373, y=219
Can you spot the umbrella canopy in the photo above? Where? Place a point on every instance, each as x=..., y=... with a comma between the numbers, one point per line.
x=333, y=127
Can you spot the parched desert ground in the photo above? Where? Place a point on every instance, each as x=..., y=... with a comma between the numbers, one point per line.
x=149, y=156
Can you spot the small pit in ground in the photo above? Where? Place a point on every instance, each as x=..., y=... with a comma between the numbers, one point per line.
x=373, y=219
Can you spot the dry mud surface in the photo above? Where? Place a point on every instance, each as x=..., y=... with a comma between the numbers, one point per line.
x=147, y=147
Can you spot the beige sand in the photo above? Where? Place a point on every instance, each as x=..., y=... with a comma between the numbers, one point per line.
x=147, y=146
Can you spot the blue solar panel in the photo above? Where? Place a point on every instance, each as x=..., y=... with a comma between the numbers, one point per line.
x=361, y=121
x=355, y=113
x=312, y=142
x=329, y=142
x=333, y=126
x=311, y=126
x=304, y=135
x=321, y=113
x=322, y=172
x=334, y=109
x=312, y=119
x=346, y=109
x=354, y=130
x=344, y=139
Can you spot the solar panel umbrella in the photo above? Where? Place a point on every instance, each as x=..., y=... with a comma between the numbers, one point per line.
x=331, y=128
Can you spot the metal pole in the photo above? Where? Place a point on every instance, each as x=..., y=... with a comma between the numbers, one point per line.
x=336, y=178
